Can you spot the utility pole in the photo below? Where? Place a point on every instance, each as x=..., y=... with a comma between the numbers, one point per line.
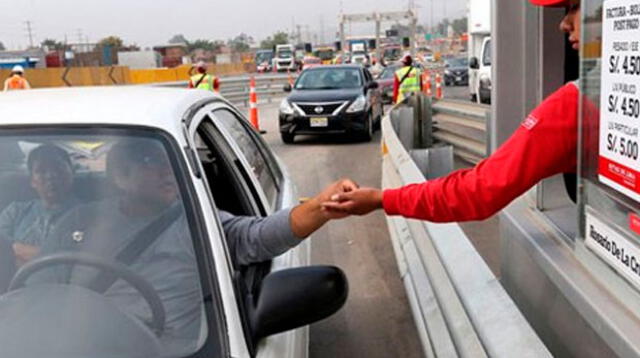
x=79, y=33
x=322, y=29
x=29, y=33
x=432, y=21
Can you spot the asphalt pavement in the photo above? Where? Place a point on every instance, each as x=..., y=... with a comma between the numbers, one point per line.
x=376, y=320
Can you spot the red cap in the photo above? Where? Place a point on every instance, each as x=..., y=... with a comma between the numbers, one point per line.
x=551, y=3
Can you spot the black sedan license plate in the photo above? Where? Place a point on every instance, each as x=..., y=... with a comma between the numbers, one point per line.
x=319, y=122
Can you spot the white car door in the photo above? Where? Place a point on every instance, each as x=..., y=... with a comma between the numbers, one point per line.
x=266, y=188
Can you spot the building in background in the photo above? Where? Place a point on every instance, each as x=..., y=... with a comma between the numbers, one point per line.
x=172, y=54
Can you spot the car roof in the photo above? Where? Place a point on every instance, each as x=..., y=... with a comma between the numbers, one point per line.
x=355, y=67
x=120, y=105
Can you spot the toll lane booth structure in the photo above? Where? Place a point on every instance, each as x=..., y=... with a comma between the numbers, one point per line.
x=566, y=282
x=574, y=269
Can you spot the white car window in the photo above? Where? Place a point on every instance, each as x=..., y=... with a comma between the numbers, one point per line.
x=257, y=158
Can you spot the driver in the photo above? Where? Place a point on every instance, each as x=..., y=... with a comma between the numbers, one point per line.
x=149, y=195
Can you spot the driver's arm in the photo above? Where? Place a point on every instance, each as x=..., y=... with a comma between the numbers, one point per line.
x=253, y=239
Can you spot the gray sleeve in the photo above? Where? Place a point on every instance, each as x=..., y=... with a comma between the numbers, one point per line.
x=253, y=239
x=8, y=219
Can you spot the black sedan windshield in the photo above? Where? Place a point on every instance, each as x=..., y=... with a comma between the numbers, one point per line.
x=458, y=62
x=329, y=78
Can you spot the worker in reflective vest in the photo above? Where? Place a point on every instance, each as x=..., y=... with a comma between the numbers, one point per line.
x=203, y=80
x=545, y=144
x=407, y=80
x=17, y=80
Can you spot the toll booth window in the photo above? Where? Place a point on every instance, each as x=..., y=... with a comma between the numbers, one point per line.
x=609, y=154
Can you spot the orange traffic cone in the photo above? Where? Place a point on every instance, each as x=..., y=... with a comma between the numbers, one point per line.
x=253, y=105
x=427, y=84
x=438, y=86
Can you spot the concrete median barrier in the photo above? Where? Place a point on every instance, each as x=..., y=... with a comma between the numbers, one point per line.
x=115, y=75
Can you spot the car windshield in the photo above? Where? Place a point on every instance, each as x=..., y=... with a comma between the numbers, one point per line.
x=458, y=62
x=329, y=78
x=388, y=72
x=486, y=56
x=99, y=226
x=392, y=52
x=285, y=54
x=324, y=54
x=264, y=57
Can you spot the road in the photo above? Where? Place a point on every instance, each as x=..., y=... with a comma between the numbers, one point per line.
x=376, y=320
x=456, y=92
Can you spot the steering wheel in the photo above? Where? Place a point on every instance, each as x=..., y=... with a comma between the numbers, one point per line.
x=147, y=291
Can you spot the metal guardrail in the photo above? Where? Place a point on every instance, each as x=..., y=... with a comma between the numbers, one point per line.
x=236, y=89
x=460, y=308
x=463, y=125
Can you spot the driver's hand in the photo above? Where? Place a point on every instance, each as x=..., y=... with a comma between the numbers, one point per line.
x=24, y=252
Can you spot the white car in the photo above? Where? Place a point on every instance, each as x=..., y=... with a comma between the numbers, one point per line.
x=196, y=302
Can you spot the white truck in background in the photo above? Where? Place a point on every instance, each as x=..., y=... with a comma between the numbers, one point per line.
x=284, y=59
x=480, y=50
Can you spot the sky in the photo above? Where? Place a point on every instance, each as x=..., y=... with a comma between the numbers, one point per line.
x=152, y=22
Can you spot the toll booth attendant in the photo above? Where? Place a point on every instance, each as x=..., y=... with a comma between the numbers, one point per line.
x=17, y=80
x=544, y=145
x=203, y=80
x=407, y=80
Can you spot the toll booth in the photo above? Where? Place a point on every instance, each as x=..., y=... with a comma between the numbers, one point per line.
x=570, y=247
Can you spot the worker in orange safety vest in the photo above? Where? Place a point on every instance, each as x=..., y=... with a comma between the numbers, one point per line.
x=17, y=80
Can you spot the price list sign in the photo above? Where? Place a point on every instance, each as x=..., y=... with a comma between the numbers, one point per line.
x=619, y=157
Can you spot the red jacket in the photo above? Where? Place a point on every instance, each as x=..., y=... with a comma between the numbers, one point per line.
x=545, y=144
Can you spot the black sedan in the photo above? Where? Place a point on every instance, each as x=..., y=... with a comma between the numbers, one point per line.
x=332, y=99
x=456, y=71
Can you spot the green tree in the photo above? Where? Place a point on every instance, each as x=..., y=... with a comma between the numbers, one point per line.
x=279, y=38
x=460, y=26
x=113, y=41
x=2, y=48
x=442, y=27
x=241, y=43
x=52, y=44
x=178, y=39
x=117, y=44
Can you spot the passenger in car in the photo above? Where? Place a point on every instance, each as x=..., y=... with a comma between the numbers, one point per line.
x=27, y=224
x=150, y=203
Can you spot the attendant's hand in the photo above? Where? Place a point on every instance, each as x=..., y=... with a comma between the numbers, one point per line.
x=341, y=186
x=24, y=252
x=309, y=216
x=361, y=201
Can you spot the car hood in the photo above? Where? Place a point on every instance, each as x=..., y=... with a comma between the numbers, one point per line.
x=324, y=95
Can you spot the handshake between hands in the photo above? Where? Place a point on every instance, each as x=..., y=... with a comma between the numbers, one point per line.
x=338, y=200
x=345, y=197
